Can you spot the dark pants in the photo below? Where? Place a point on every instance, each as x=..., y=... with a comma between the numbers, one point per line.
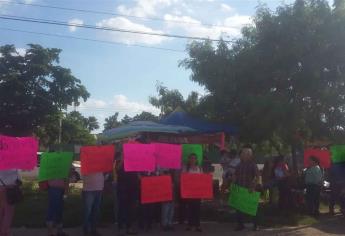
x=182, y=209
x=285, y=196
x=313, y=198
x=55, y=207
x=193, y=209
x=125, y=211
x=146, y=212
x=240, y=216
x=334, y=196
x=92, y=204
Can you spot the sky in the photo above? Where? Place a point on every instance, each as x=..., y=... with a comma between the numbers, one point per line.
x=121, y=77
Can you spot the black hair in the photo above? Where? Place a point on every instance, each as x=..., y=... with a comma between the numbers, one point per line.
x=314, y=159
x=189, y=156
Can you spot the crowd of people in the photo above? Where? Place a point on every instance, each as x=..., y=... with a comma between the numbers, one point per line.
x=239, y=168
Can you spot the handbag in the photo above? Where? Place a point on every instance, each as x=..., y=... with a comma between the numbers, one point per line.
x=14, y=193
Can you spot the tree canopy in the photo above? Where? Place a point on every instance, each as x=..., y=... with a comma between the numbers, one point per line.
x=34, y=87
x=170, y=99
x=284, y=78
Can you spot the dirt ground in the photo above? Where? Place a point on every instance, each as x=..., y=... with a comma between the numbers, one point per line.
x=334, y=226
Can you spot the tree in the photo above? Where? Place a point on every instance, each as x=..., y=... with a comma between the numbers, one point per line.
x=92, y=123
x=75, y=129
x=168, y=100
x=111, y=122
x=145, y=116
x=284, y=78
x=34, y=87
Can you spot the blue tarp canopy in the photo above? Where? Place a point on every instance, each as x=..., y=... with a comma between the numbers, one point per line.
x=137, y=127
x=183, y=119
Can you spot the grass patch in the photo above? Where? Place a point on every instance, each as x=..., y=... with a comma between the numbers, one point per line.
x=31, y=212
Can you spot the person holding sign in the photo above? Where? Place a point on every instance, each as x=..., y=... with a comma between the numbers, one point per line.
x=313, y=182
x=193, y=205
x=127, y=196
x=8, y=178
x=93, y=185
x=246, y=175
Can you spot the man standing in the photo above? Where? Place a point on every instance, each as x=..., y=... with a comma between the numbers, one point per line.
x=246, y=175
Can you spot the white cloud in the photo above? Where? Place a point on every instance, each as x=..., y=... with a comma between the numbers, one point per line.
x=231, y=26
x=119, y=103
x=29, y=1
x=226, y=7
x=74, y=23
x=143, y=8
x=21, y=51
x=130, y=38
x=93, y=103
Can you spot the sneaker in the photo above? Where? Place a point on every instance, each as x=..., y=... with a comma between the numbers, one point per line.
x=239, y=228
x=198, y=229
x=165, y=228
x=256, y=228
x=188, y=228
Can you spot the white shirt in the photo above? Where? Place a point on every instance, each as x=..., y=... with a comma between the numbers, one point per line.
x=93, y=182
x=9, y=177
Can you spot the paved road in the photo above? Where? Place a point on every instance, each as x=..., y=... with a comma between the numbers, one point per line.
x=335, y=226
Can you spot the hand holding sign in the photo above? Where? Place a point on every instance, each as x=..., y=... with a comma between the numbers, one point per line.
x=95, y=159
x=168, y=155
x=338, y=153
x=156, y=189
x=196, y=186
x=243, y=200
x=55, y=165
x=18, y=153
x=324, y=157
x=139, y=157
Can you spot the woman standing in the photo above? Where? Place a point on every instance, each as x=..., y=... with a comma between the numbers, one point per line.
x=56, y=191
x=313, y=181
x=193, y=205
x=8, y=178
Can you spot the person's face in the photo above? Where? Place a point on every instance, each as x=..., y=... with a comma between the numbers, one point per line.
x=312, y=163
x=192, y=160
x=246, y=154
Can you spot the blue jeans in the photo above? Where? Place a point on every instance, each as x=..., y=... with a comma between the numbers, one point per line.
x=168, y=209
x=55, y=205
x=92, y=203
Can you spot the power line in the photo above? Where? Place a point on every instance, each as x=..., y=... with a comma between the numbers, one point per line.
x=91, y=40
x=111, y=14
x=62, y=23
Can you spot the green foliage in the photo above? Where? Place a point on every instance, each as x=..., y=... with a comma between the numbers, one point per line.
x=34, y=88
x=75, y=129
x=169, y=100
x=284, y=78
x=111, y=122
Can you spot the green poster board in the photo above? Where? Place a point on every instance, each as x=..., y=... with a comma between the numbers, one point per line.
x=55, y=165
x=241, y=199
x=188, y=149
x=338, y=153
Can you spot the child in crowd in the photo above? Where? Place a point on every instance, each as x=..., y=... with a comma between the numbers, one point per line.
x=313, y=182
x=193, y=205
x=93, y=185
